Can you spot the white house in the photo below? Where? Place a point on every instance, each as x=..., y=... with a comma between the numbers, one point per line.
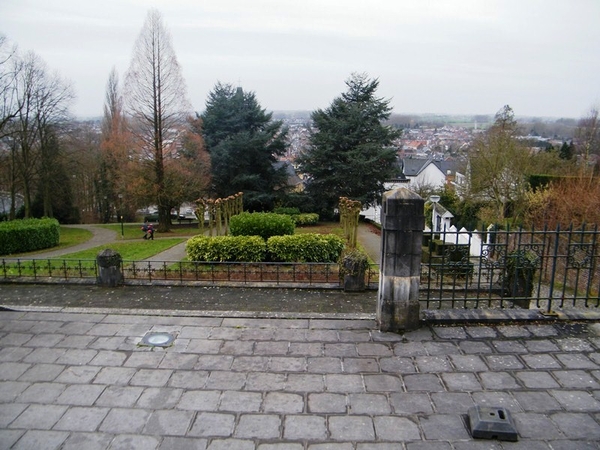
x=441, y=218
x=414, y=173
x=425, y=173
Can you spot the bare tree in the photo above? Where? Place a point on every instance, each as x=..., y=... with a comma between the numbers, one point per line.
x=156, y=100
x=7, y=113
x=499, y=164
x=42, y=106
x=588, y=132
x=54, y=99
x=25, y=131
x=114, y=153
x=10, y=65
x=81, y=153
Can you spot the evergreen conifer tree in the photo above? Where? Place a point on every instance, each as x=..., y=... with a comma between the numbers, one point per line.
x=243, y=142
x=351, y=151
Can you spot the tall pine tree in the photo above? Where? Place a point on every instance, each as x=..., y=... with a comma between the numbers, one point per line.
x=351, y=151
x=243, y=142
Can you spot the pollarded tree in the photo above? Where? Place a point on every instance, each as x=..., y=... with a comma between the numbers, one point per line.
x=351, y=151
x=156, y=100
x=243, y=142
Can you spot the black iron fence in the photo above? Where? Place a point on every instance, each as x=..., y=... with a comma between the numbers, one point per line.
x=545, y=269
x=30, y=269
x=317, y=275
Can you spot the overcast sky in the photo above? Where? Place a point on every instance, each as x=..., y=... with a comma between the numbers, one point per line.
x=542, y=57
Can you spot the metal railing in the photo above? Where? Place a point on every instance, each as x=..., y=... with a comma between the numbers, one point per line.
x=317, y=275
x=545, y=269
x=33, y=269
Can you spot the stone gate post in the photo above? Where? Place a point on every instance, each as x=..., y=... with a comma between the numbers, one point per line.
x=402, y=223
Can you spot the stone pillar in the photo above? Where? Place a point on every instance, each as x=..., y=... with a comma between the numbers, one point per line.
x=402, y=223
x=109, y=268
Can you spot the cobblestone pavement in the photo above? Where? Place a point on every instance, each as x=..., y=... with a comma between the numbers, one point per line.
x=82, y=381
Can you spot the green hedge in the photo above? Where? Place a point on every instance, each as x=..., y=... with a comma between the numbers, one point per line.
x=308, y=247
x=264, y=225
x=306, y=219
x=19, y=236
x=288, y=211
x=226, y=248
x=289, y=248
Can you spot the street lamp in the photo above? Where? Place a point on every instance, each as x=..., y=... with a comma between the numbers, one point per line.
x=105, y=210
x=121, y=213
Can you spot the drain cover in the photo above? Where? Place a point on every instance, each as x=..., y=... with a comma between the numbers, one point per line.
x=492, y=423
x=157, y=339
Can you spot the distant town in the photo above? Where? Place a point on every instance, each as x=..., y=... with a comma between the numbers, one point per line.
x=439, y=137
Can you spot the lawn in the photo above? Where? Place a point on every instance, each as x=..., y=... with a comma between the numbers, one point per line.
x=68, y=238
x=322, y=228
x=73, y=236
x=132, y=247
x=82, y=264
x=137, y=250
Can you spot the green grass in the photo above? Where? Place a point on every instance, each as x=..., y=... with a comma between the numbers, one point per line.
x=322, y=228
x=84, y=261
x=68, y=238
x=136, y=251
x=73, y=236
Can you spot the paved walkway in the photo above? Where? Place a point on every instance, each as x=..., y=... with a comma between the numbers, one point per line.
x=78, y=378
x=370, y=241
x=100, y=236
x=82, y=381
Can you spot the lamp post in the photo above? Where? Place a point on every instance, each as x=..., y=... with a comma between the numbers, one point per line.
x=121, y=213
x=434, y=199
x=105, y=211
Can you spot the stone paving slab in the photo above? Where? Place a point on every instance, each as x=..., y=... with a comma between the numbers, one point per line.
x=80, y=380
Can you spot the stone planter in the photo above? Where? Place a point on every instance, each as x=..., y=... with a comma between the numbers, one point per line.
x=109, y=268
x=354, y=268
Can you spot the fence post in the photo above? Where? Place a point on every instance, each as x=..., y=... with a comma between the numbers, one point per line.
x=402, y=222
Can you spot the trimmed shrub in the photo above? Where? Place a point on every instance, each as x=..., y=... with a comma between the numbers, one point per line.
x=287, y=211
x=306, y=219
x=226, y=248
x=310, y=247
x=264, y=225
x=18, y=236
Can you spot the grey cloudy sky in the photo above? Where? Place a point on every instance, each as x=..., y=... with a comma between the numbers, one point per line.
x=431, y=56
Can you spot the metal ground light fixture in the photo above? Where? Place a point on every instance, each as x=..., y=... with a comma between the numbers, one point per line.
x=157, y=339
